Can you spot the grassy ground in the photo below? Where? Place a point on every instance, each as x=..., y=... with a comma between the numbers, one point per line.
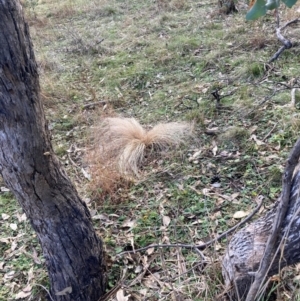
x=160, y=61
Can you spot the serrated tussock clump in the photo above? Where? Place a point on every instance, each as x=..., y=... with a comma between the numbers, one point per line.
x=122, y=143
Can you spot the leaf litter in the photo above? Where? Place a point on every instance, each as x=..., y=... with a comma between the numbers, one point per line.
x=174, y=200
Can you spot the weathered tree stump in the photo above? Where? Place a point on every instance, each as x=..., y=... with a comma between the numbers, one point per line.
x=246, y=248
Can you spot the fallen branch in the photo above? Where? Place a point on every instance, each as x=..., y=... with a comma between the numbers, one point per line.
x=270, y=251
x=268, y=244
x=287, y=44
x=204, y=245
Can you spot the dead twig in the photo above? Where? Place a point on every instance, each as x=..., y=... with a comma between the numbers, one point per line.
x=139, y=278
x=93, y=104
x=201, y=246
x=36, y=284
x=112, y=292
x=287, y=44
x=107, y=296
x=293, y=97
x=270, y=251
x=217, y=97
x=268, y=135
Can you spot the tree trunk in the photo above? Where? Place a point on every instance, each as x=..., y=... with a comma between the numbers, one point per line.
x=227, y=6
x=71, y=248
x=246, y=248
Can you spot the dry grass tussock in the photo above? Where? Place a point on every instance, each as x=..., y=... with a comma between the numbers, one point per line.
x=121, y=144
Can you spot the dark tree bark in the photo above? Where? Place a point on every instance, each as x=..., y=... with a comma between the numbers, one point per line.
x=246, y=248
x=227, y=6
x=72, y=251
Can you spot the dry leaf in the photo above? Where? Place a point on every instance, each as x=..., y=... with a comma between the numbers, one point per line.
x=5, y=216
x=218, y=247
x=195, y=156
x=165, y=239
x=14, y=245
x=138, y=269
x=130, y=237
x=199, y=221
x=166, y=221
x=35, y=257
x=234, y=196
x=13, y=226
x=120, y=295
x=24, y=293
x=257, y=141
x=205, y=191
x=253, y=129
x=22, y=217
x=214, y=150
x=102, y=217
x=151, y=281
x=297, y=278
x=150, y=251
x=114, y=215
x=251, y=3
x=4, y=189
x=9, y=275
x=128, y=224
x=216, y=216
x=143, y=291
x=86, y=174
x=240, y=214
x=30, y=274
x=5, y=240
x=65, y=291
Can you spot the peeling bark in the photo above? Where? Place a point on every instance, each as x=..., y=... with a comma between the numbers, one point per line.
x=29, y=167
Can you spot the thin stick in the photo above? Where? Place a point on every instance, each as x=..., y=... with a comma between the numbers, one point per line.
x=293, y=98
x=286, y=43
x=202, y=246
x=92, y=104
x=270, y=132
x=261, y=274
x=36, y=284
x=289, y=23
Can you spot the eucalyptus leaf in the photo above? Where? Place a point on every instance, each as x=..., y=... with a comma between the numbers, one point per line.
x=289, y=3
x=272, y=4
x=258, y=10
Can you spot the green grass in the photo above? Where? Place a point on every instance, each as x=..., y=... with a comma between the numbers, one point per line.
x=160, y=61
x=18, y=247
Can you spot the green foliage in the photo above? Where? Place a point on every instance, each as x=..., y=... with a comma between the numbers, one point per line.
x=258, y=10
x=289, y=3
x=261, y=7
